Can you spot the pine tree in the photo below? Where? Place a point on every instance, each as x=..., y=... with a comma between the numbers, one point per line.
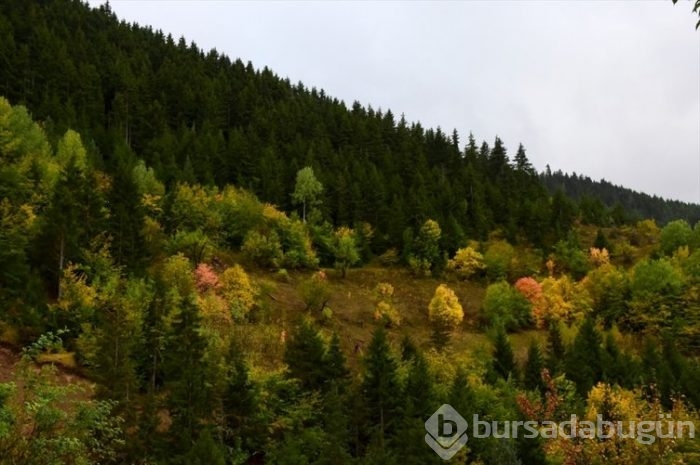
x=522, y=164
x=418, y=404
x=185, y=371
x=73, y=217
x=335, y=365
x=380, y=390
x=584, y=361
x=503, y=364
x=119, y=335
x=240, y=403
x=126, y=219
x=305, y=356
x=556, y=351
x=532, y=376
x=618, y=367
x=601, y=242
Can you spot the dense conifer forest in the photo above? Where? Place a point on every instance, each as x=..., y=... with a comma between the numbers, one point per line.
x=204, y=263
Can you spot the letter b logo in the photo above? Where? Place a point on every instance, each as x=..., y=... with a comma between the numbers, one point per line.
x=446, y=427
x=446, y=431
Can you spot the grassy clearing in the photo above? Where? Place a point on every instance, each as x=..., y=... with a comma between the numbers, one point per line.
x=352, y=302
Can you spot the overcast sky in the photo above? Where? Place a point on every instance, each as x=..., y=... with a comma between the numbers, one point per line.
x=610, y=89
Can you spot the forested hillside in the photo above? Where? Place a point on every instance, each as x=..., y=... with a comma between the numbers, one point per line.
x=625, y=204
x=204, y=117
x=201, y=263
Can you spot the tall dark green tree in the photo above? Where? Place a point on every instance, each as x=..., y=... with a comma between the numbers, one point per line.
x=305, y=356
x=190, y=399
x=126, y=218
x=73, y=217
x=532, y=374
x=381, y=391
x=556, y=350
x=584, y=361
x=503, y=364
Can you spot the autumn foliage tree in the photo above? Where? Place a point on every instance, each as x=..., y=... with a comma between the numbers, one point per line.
x=345, y=249
x=385, y=309
x=425, y=252
x=238, y=291
x=466, y=262
x=445, y=314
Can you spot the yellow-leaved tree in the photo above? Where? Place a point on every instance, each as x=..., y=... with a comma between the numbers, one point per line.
x=563, y=299
x=385, y=309
x=237, y=290
x=466, y=262
x=445, y=314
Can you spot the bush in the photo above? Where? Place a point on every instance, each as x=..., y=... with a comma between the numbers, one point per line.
x=265, y=251
x=466, y=262
x=498, y=260
x=384, y=307
x=506, y=306
x=390, y=257
x=315, y=291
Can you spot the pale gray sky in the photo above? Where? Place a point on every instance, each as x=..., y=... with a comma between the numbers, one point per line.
x=610, y=89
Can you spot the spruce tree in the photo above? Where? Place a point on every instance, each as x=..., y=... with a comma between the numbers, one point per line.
x=419, y=403
x=532, y=376
x=503, y=364
x=305, y=356
x=185, y=370
x=584, y=361
x=380, y=390
x=126, y=219
x=335, y=364
x=240, y=403
x=556, y=351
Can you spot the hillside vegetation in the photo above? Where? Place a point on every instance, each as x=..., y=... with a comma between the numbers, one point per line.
x=227, y=269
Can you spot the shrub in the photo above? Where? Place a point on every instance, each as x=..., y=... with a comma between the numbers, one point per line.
x=263, y=250
x=506, y=306
x=466, y=262
x=384, y=306
x=315, y=291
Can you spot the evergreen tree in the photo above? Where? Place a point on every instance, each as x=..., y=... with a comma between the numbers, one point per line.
x=240, y=404
x=305, y=356
x=601, y=242
x=126, y=219
x=618, y=367
x=532, y=374
x=185, y=371
x=556, y=351
x=381, y=391
x=335, y=364
x=522, y=164
x=503, y=364
x=584, y=361
x=73, y=217
x=418, y=404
